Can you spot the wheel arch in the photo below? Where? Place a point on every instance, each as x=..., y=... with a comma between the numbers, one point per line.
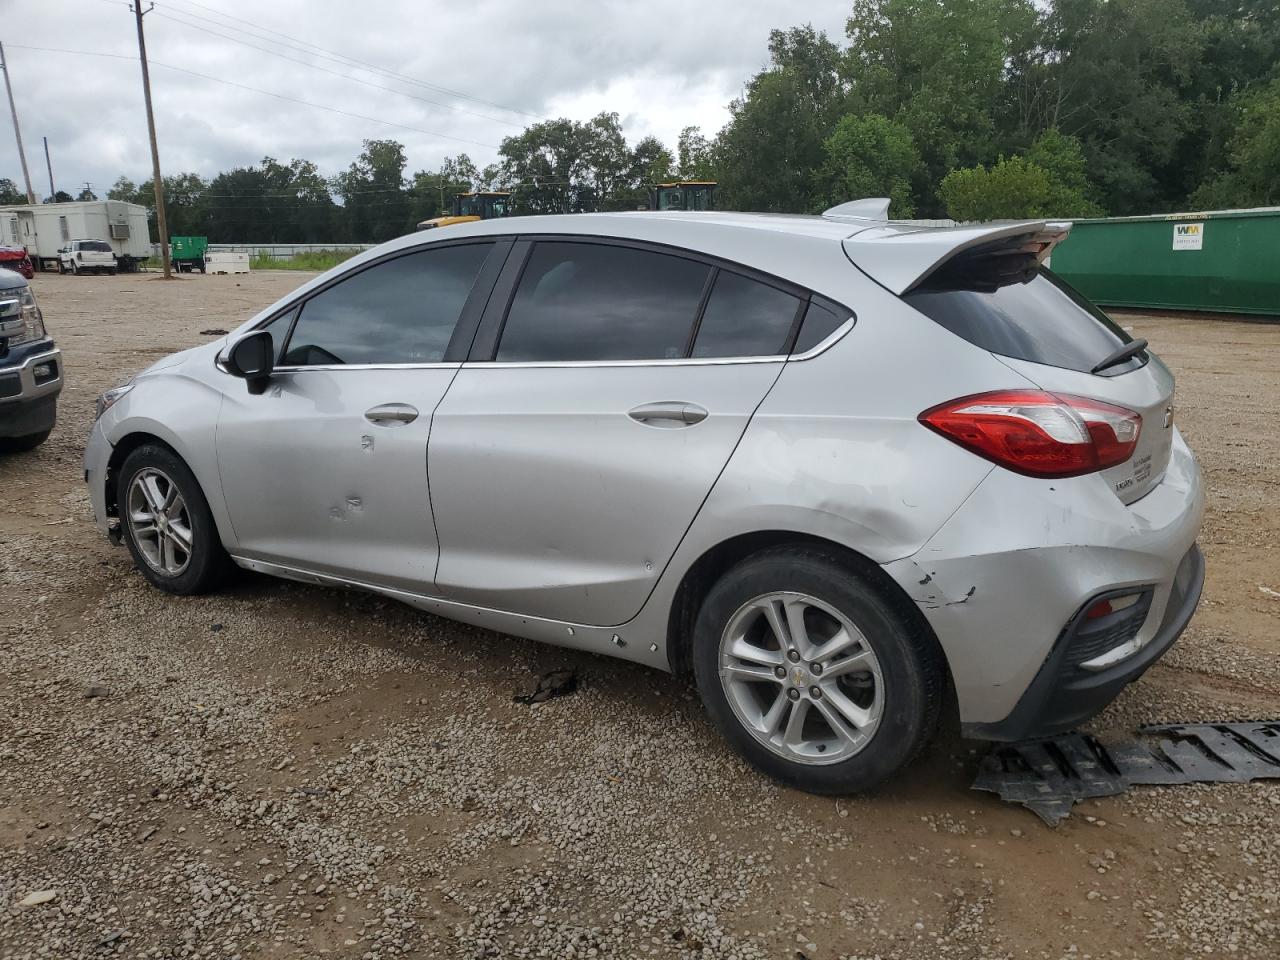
x=130, y=442
x=714, y=562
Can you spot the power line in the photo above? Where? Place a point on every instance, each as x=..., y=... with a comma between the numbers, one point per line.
x=345, y=59
x=268, y=93
x=334, y=73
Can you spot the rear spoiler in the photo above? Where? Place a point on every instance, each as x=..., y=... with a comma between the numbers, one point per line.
x=901, y=258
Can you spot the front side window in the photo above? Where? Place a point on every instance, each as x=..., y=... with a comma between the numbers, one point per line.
x=399, y=311
x=745, y=318
x=588, y=301
x=279, y=330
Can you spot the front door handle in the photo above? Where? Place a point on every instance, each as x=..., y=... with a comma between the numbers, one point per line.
x=390, y=414
x=668, y=413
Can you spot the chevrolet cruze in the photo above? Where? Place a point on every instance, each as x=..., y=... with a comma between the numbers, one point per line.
x=834, y=467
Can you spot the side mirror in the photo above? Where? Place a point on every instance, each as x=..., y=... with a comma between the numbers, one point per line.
x=252, y=358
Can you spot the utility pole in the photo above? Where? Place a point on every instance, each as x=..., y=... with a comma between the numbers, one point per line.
x=162, y=228
x=53, y=193
x=17, y=131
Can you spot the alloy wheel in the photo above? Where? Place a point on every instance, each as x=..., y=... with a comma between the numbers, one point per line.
x=160, y=522
x=801, y=678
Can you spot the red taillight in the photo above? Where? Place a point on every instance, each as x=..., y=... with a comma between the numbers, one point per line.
x=1038, y=433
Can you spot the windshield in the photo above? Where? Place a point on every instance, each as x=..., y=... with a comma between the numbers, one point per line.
x=1041, y=319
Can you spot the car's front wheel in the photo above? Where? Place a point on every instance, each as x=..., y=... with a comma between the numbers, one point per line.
x=167, y=524
x=813, y=674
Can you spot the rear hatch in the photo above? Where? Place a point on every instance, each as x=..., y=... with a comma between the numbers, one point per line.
x=97, y=253
x=991, y=288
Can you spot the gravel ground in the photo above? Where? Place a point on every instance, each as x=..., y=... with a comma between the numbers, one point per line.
x=287, y=771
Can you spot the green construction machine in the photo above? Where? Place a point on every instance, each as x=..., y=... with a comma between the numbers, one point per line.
x=683, y=195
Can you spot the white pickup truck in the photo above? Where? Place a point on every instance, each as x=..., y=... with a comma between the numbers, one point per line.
x=87, y=256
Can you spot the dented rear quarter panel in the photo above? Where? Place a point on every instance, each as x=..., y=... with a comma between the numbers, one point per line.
x=1001, y=578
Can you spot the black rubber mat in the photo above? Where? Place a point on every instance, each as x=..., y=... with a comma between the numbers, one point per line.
x=1049, y=776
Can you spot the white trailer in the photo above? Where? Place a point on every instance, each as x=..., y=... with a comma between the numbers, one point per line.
x=46, y=228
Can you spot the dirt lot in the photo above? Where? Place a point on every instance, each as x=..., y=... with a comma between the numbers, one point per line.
x=285, y=771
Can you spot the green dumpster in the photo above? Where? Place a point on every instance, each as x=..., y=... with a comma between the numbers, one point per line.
x=188, y=253
x=1226, y=260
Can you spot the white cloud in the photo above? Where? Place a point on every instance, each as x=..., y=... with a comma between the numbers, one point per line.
x=661, y=66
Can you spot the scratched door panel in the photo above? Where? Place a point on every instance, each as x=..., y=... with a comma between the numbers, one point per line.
x=310, y=480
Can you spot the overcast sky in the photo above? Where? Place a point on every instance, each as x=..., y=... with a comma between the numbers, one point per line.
x=491, y=66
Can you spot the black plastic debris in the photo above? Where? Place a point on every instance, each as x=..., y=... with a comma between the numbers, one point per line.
x=214, y=331
x=1049, y=776
x=555, y=683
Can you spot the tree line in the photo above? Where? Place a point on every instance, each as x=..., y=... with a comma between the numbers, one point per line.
x=970, y=109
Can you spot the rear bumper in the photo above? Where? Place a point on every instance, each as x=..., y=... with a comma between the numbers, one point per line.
x=1062, y=696
x=29, y=391
x=1005, y=580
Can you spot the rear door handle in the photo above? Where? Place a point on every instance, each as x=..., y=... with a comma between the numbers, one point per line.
x=390, y=414
x=668, y=413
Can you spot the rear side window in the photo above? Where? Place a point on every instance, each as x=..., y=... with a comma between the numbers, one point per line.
x=588, y=301
x=1040, y=319
x=745, y=318
x=399, y=311
x=821, y=320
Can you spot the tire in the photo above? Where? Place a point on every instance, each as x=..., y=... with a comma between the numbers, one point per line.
x=75, y=270
x=204, y=564
x=111, y=271
x=896, y=692
x=23, y=444
x=62, y=268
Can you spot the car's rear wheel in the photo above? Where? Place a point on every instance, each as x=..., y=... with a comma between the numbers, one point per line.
x=167, y=524
x=24, y=443
x=813, y=674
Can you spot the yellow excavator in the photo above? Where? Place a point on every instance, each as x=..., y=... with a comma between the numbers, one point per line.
x=684, y=195
x=470, y=207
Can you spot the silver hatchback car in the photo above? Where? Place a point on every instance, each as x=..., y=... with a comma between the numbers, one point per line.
x=835, y=467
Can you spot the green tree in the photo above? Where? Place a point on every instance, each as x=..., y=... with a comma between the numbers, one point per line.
x=1062, y=159
x=1116, y=74
x=126, y=190
x=10, y=194
x=871, y=156
x=86, y=194
x=1013, y=188
x=651, y=162
x=938, y=69
x=695, y=158
x=775, y=139
x=562, y=166
x=376, y=205
x=1048, y=181
x=1252, y=174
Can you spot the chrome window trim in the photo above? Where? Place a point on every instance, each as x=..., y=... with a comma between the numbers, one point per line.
x=367, y=366
x=677, y=362
x=822, y=346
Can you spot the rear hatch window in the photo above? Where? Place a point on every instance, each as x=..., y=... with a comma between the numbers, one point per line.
x=95, y=246
x=1032, y=316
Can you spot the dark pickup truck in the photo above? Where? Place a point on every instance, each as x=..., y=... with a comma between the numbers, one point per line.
x=30, y=368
